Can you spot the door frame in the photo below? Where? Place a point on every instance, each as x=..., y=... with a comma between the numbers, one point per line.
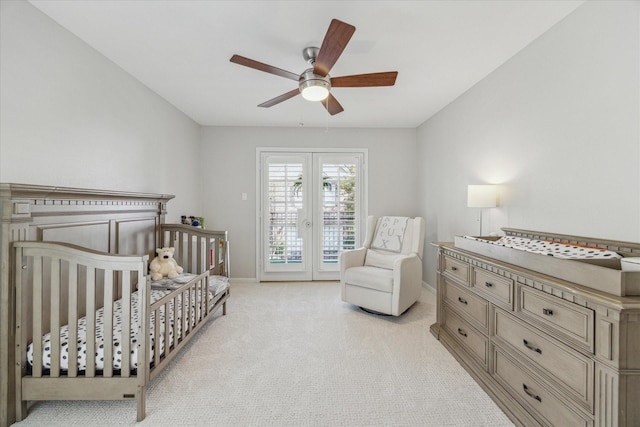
x=296, y=150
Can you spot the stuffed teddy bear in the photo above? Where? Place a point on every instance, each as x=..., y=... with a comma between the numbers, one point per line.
x=164, y=265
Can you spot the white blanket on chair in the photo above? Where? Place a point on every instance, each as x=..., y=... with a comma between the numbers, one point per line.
x=390, y=233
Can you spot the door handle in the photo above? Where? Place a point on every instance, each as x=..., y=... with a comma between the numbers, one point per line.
x=303, y=223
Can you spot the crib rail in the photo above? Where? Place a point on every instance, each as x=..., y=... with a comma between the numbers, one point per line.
x=198, y=250
x=184, y=311
x=61, y=283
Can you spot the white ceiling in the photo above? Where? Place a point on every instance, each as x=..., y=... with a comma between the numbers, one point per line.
x=181, y=50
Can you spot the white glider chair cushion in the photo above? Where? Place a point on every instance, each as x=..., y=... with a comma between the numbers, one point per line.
x=385, y=274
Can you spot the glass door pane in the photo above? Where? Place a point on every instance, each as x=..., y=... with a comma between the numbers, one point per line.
x=338, y=204
x=285, y=224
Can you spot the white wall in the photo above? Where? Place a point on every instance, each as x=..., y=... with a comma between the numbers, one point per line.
x=557, y=126
x=70, y=117
x=232, y=152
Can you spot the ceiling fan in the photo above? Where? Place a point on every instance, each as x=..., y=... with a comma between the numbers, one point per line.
x=315, y=83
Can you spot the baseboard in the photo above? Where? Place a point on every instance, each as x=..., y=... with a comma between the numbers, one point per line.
x=243, y=280
x=428, y=287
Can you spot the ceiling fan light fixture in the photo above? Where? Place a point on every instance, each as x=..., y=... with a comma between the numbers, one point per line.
x=315, y=93
x=314, y=87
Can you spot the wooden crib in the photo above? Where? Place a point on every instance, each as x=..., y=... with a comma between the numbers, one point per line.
x=64, y=284
x=73, y=260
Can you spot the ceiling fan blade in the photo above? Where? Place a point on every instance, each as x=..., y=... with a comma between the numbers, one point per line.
x=332, y=105
x=279, y=99
x=366, y=80
x=241, y=60
x=336, y=39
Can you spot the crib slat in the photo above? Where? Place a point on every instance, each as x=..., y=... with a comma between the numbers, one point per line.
x=91, y=323
x=207, y=296
x=190, y=306
x=142, y=334
x=199, y=260
x=170, y=324
x=204, y=298
x=72, y=343
x=125, y=338
x=187, y=307
x=180, y=237
x=153, y=312
x=37, y=316
x=107, y=325
x=188, y=263
x=215, y=261
x=55, y=317
x=165, y=313
x=172, y=239
x=197, y=303
x=21, y=406
x=184, y=314
x=156, y=335
x=208, y=262
x=226, y=259
x=172, y=320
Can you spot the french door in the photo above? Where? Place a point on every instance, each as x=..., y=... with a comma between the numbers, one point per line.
x=310, y=210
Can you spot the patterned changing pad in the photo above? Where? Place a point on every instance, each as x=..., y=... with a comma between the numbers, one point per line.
x=554, y=249
x=217, y=284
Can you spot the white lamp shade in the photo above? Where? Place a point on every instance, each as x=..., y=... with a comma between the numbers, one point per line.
x=481, y=196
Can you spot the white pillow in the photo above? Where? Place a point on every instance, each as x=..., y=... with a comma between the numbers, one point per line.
x=379, y=259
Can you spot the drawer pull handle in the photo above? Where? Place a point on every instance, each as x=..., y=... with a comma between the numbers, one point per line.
x=531, y=395
x=530, y=347
x=454, y=268
x=461, y=332
x=488, y=284
x=547, y=312
x=462, y=300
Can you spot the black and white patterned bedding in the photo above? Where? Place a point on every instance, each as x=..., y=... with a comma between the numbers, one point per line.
x=555, y=249
x=159, y=289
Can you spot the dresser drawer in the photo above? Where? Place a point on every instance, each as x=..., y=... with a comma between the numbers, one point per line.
x=534, y=393
x=555, y=360
x=565, y=319
x=456, y=269
x=476, y=343
x=470, y=306
x=495, y=288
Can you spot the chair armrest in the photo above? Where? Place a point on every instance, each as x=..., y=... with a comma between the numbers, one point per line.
x=405, y=265
x=353, y=258
x=407, y=282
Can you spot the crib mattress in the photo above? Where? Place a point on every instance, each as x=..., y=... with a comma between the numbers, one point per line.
x=159, y=289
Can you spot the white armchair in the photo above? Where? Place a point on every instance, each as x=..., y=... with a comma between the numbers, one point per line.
x=385, y=274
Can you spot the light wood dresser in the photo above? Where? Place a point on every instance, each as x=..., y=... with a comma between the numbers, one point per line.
x=554, y=342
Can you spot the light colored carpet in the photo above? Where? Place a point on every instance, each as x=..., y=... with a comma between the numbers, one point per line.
x=293, y=354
